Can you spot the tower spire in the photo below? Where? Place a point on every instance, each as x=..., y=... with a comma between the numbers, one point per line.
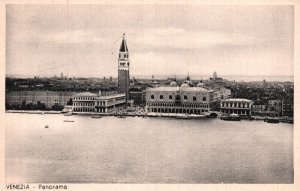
x=188, y=76
x=123, y=47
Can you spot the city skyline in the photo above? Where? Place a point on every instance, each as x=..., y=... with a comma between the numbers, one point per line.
x=79, y=41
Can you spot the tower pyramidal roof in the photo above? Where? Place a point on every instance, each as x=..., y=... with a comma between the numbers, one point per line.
x=123, y=47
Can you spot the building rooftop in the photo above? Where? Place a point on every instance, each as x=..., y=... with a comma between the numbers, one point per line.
x=185, y=85
x=85, y=94
x=174, y=89
x=238, y=100
x=111, y=96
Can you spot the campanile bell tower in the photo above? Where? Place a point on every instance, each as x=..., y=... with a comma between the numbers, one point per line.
x=123, y=69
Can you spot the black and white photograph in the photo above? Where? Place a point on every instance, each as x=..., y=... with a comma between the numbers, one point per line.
x=148, y=93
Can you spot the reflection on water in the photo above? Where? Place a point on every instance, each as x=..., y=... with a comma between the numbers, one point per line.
x=146, y=150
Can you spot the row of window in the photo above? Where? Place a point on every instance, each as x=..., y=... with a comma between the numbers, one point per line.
x=101, y=110
x=29, y=100
x=84, y=98
x=84, y=104
x=184, y=97
x=240, y=112
x=36, y=96
x=239, y=105
x=83, y=109
x=173, y=105
x=101, y=103
x=168, y=110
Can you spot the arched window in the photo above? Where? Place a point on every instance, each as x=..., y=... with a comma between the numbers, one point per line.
x=152, y=96
x=161, y=97
x=194, y=98
x=204, y=98
x=185, y=97
x=170, y=97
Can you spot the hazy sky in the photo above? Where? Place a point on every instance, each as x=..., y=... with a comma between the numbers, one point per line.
x=83, y=40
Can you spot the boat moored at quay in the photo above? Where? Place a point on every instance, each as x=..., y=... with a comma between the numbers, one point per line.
x=271, y=120
x=231, y=117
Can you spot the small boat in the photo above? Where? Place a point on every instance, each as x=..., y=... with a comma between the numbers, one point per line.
x=68, y=120
x=290, y=121
x=231, y=117
x=271, y=120
x=121, y=116
x=97, y=116
x=183, y=117
x=251, y=118
x=68, y=114
x=67, y=108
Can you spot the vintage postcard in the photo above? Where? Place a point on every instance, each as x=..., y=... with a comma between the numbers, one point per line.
x=149, y=95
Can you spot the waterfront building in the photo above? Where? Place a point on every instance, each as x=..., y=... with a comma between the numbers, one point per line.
x=183, y=99
x=236, y=105
x=138, y=96
x=275, y=106
x=272, y=109
x=105, y=102
x=109, y=103
x=49, y=98
x=189, y=98
x=84, y=102
x=288, y=107
x=259, y=108
x=123, y=69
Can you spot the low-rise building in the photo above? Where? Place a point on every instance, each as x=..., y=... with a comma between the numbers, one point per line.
x=84, y=102
x=259, y=109
x=237, y=106
x=49, y=98
x=275, y=106
x=104, y=102
x=288, y=107
x=138, y=96
x=109, y=103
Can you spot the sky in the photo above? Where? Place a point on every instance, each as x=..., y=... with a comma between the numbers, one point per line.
x=171, y=40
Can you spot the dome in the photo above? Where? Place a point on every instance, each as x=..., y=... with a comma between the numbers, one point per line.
x=185, y=85
x=189, y=82
x=202, y=85
x=173, y=84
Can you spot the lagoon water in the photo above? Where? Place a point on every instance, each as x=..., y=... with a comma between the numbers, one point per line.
x=146, y=150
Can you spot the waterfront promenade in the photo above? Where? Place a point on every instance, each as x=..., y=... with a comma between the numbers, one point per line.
x=135, y=114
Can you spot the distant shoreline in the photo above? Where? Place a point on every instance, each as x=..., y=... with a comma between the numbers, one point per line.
x=238, y=78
